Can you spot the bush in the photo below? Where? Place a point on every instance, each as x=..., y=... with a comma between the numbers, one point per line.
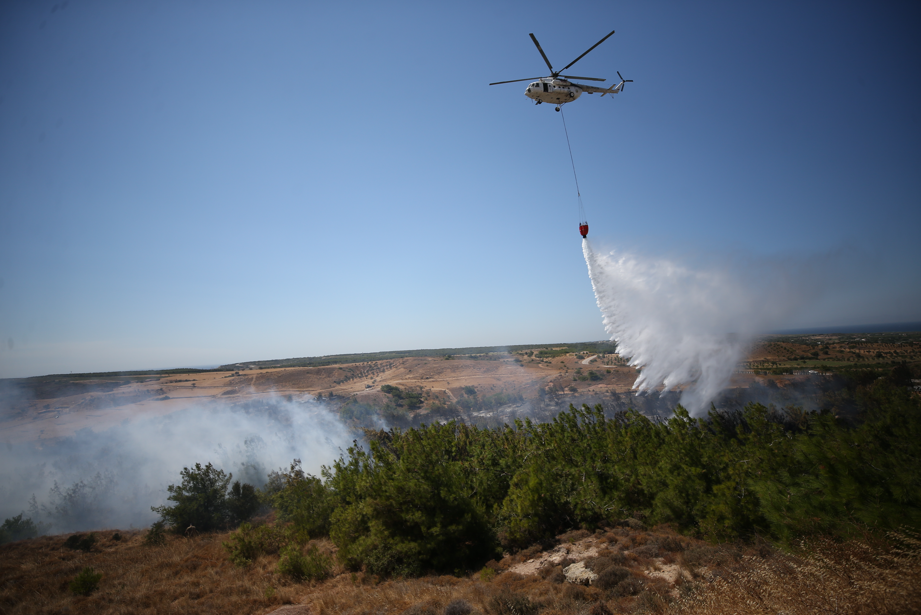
x=17, y=528
x=603, y=562
x=573, y=536
x=156, y=535
x=409, y=505
x=670, y=544
x=202, y=500
x=302, y=499
x=556, y=575
x=708, y=556
x=512, y=604
x=651, y=602
x=248, y=543
x=611, y=577
x=86, y=582
x=599, y=608
x=458, y=607
x=630, y=586
x=574, y=593
x=397, y=560
x=80, y=542
x=242, y=503
x=314, y=566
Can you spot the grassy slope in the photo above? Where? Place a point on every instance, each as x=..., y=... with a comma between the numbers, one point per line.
x=194, y=575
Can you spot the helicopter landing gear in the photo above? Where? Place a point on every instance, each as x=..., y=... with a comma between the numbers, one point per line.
x=557, y=108
x=537, y=102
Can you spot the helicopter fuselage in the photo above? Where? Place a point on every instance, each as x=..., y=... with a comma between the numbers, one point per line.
x=556, y=91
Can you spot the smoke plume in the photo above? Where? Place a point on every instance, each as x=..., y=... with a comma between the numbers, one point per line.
x=689, y=328
x=111, y=478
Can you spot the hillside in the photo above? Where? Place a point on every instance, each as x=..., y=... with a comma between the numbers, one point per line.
x=522, y=381
x=636, y=570
x=602, y=510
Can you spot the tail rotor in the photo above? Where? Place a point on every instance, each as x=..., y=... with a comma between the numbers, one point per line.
x=618, y=88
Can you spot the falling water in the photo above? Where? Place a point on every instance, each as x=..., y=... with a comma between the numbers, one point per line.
x=682, y=328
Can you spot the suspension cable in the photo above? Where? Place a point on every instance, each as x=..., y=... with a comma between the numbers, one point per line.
x=573, y=162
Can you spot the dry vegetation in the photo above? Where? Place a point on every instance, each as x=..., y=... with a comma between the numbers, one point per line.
x=656, y=571
x=857, y=577
x=186, y=575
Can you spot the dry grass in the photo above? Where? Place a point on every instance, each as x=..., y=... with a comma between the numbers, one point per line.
x=186, y=575
x=857, y=577
x=194, y=575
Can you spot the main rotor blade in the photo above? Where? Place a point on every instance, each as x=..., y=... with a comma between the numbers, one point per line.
x=542, y=54
x=515, y=80
x=584, y=54
x=585, y=78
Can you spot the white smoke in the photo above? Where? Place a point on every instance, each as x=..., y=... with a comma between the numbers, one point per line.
x=686, y=328
x=111, y=478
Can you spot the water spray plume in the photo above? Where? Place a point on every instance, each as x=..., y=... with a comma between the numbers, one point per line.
x=683, y=328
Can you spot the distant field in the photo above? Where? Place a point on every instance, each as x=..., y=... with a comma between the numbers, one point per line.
x=482, y=352
x=471, y=384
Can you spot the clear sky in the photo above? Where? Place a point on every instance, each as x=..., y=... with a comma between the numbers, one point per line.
x=195, y=183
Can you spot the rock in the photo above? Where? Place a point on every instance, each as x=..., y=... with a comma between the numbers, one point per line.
x=578, y=573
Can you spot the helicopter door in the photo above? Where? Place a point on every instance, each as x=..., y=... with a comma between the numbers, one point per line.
x=545, y=86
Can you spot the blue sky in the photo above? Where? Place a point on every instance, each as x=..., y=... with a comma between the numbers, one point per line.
x=195, y=183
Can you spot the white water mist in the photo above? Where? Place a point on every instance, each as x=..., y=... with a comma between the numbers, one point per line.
x=688, y=328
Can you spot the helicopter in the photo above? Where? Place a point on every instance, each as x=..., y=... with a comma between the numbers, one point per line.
x=557, y=88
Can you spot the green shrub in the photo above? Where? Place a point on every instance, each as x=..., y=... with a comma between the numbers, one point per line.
x=412, y=504
x=156, y=535
x=441, y=498
x=248, y=543
x=242, y=503
x=312, y=566
x=302, y=499
x=17, y=528
x=200, y=500
x=392, y=559
x=205, y=501
x=86, y=582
